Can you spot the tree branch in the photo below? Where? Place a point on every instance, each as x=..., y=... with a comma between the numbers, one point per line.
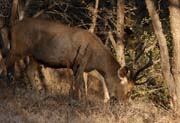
x=113, y=42
x=42, y=11
x=135, y=73
x=14, y=11
x=21, y=10
x=94, y=17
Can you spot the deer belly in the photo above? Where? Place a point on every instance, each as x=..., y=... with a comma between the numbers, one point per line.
x=54, y=57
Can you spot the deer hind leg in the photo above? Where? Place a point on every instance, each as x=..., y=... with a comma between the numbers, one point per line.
x=8, y=64
x=85, y=77
x=103, y=83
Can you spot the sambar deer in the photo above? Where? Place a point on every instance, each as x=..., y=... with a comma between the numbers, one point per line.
x=56, y=45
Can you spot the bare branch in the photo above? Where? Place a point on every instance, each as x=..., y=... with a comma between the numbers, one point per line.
x=150, y=47
x=42, y=11
x=145, y=49
x=94, y=17
x=113, y=42
x=135, y=74
x=139, y=55
x=14, y=11
x=142, y=83
x=21, y=9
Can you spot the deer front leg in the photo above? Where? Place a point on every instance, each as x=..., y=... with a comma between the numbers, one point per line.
x=80, y=63
x=79, y=87
x=85, y=77
x=103, y=83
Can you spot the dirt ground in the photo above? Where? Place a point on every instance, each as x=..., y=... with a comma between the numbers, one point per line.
x=27, y=105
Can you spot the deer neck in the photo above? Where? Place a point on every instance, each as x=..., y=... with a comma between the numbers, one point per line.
x=109, y=67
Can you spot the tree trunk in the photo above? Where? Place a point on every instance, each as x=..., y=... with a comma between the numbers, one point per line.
x=165, y=63
x=120, y=33
x=94, y=17
x=175, y=30
x=14, y=11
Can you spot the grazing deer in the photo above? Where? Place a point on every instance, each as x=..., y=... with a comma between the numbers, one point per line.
x=56, y=45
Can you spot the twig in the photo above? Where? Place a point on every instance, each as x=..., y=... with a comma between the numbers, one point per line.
x=148, y=64
x=156, y=89
x=151, y=47
x=113, y=42
x=14, y=11
x=22, y=12
x=42, y=11
x=94, y=17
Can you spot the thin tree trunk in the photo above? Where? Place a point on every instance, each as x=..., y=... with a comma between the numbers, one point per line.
x=165, y=63
x=120, y=33
x=22, y=9
x=14, y=11
x=94, y=17
x=175, y=30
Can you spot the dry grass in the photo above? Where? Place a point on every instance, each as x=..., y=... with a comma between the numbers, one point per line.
x=29, y=106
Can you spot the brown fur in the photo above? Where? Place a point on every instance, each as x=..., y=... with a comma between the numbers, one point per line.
x=57, y=45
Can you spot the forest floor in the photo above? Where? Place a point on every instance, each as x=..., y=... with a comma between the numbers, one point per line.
x=25, y=105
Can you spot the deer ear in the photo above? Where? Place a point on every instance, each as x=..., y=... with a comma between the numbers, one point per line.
x=122, y=72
